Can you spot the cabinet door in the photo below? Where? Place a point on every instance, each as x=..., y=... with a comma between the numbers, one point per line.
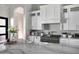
x=51, y=11
x=34, y=22
x=39, y=25
x=43, y=12
x=74, y=20
x=47, y=12
x=57, y=11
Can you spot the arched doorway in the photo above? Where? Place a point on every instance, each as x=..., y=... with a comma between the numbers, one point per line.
x=19, y=21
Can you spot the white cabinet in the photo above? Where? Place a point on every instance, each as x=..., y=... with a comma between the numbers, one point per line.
x=72, y=17
x=43, y=12
x=34, y=22
x=35, y=15
x=57, y=12
x=69, y=42
x=50, y=13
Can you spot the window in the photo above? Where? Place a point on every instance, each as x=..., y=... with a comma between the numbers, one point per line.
x=2, y=22
x=4, y=27
x=2, y=30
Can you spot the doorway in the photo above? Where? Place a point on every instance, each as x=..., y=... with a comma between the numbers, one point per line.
x=19, y=22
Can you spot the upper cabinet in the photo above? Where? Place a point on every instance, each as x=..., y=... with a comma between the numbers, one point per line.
x=50, y=12
x=35, y=17
x=71, y=16
x=47, y=14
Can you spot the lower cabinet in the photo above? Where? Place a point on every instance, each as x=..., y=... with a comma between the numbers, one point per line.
x=72, y=42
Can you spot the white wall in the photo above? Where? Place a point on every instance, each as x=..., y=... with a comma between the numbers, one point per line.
x=4, y=10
